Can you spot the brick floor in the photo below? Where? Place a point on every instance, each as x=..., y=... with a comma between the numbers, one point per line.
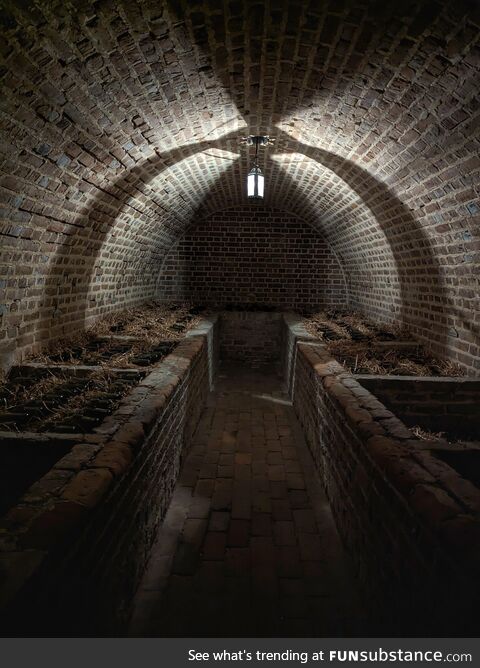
x=248, y=546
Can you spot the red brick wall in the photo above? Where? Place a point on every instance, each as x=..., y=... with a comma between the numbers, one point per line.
x=251, y=338
x=253, y=254
x=80, y=545
x=409, y=520
x=449, y=405
x=121, y=121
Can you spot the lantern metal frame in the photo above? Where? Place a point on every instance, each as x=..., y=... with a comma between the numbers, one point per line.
x=255, y=178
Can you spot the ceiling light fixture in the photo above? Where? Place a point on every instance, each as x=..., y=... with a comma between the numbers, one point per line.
x=255, y=178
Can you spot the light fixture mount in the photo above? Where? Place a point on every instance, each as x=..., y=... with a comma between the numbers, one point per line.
x=257, y=140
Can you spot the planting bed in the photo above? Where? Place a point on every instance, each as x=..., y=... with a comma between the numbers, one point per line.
x=153, y=321
x=89, y=454
x=342, y=325
x=73, y=387
x=113, y=352
x=366, y=348
x=390, y=360
x=433, y=407
x=62, y=402
x=137, y=337
x=407, y=506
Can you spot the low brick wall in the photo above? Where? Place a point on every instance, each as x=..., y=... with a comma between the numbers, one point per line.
x=292, y=332
x=450, y=405
x=73, y=550
x=409, y=521
x=251, y=337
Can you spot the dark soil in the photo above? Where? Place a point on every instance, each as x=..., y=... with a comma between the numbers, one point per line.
x=342, y=325
x=40, y=400
x=358, y=358
x=118, y=354
x=62, y=404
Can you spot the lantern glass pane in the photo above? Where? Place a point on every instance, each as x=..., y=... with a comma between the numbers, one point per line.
x=251, y=185
x=260, y=185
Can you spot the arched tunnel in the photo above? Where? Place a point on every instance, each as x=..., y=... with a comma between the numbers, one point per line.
x=123, y=184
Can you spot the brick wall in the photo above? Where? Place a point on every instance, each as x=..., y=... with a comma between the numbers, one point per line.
x=409, y=521
x=292, y=332
x=74, y=548
x=253, y=254
x=449, y=405
x=121, y=125
x=250, y=338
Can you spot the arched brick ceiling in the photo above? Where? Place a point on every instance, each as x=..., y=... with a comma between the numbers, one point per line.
x=121, y=124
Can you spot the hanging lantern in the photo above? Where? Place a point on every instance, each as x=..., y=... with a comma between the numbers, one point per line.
x=255, y=178
x=255, y=182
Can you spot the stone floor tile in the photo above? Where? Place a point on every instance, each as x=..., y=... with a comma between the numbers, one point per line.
x=274, y=458
x=304, y=519
x=261, y=524
x=243, y=458
x=242, y=472
x=292, y=466
x=194, y=531
x=204, y=487
x=219, y=521
x=260, y=482
x=295, y=607
x=210, y=458
x=278, y=489
x=298, y=498
x=289, y=452
x=199, y=508
x=214, y=545
x=185, y=559
x=207, y=470
x=241, y=500
x=222, y=495
x=284, y=533
x=226, y=459
x=281, y=509
x=263, y=550
x=237, y=561
x=238, y=533
x=292, y=586
x=289, y=562
x=310, y=546
x=261, y=502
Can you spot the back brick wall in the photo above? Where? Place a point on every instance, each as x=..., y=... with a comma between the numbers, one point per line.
x=253, y=255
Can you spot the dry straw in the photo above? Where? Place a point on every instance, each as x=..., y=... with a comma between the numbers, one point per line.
x=341, y=329
x=148, y=325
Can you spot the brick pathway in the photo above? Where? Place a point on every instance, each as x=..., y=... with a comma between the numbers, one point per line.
x=248, y=546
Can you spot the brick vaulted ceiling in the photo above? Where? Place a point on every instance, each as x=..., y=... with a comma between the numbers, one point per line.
x=121, y=122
